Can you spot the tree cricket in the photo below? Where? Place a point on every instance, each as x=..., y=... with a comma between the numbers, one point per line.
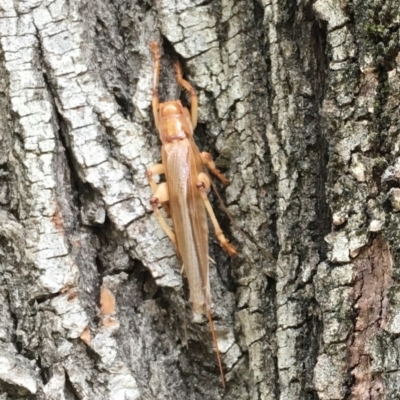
x=183, y=194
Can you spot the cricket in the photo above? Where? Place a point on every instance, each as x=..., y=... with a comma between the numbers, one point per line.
x=183, y=195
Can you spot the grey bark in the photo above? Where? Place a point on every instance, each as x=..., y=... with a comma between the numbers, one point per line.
x=299, y=106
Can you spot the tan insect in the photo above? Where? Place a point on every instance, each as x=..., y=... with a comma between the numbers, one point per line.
x=184, y=193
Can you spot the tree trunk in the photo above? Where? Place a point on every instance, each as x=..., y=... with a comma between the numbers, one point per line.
x=299, y=107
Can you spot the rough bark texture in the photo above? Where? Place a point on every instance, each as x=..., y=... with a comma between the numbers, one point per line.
x=299, y=106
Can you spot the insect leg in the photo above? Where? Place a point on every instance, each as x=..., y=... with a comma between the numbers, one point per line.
x=160, y=196
x=203, y=184
x=156, y=169
x=208, y=161
x=155, y=48
x=193, y=95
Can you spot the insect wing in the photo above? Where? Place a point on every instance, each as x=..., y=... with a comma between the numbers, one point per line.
x=189, y=219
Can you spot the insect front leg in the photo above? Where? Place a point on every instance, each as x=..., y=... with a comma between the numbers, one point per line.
x=155, y=48
x=202, y=185
x=194, y=102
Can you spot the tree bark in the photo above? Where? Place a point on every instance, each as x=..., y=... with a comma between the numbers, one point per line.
x=299, y=106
